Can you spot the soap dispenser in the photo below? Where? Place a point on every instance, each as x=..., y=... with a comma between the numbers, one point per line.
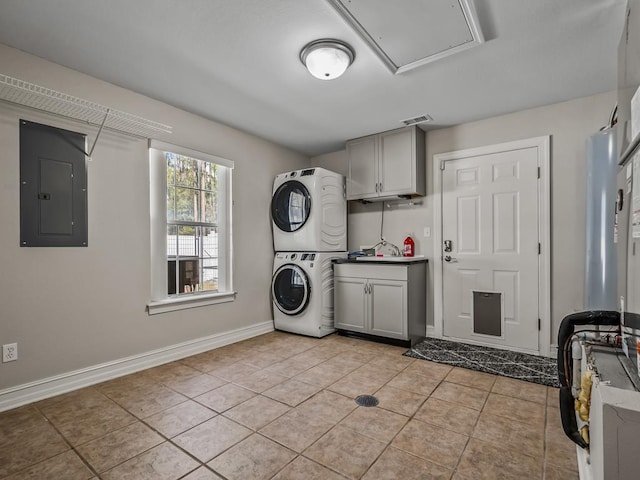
x=409, y=247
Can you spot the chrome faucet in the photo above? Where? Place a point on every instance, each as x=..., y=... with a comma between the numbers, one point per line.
x=395, y=251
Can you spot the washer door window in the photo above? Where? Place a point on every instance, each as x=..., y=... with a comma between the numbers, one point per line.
x=290, y=289
x=290, y=206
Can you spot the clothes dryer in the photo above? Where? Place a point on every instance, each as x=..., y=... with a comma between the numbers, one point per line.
x=302, y=292
x=309, y=211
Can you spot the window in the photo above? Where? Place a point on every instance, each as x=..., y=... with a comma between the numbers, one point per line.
x=192, y=224
x=190, y=196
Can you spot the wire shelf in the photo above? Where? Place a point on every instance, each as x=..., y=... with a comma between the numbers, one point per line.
x=30, y=95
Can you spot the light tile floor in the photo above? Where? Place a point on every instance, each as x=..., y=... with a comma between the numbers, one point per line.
x=282, y=406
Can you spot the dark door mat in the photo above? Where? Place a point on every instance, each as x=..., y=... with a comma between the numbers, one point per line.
x=521, y=366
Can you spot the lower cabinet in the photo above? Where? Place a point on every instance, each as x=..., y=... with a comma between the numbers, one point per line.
x=384, y=300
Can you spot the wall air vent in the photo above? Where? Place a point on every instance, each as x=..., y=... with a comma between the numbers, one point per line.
x=414, y=121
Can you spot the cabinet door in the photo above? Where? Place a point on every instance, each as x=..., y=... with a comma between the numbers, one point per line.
x=388, y=315
x=398, y=162
x=350, y=303
x=362, y=178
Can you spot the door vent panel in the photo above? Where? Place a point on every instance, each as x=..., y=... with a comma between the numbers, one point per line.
x=487, y=313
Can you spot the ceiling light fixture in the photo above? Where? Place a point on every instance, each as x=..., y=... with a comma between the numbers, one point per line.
x=327, y=58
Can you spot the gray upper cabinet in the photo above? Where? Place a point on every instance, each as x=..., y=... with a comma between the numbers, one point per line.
x=387, y=164
x=362, y=179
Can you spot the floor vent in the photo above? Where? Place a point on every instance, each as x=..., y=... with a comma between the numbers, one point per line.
x=366, y=400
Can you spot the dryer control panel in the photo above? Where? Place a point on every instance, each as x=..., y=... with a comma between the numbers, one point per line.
x=310, y=257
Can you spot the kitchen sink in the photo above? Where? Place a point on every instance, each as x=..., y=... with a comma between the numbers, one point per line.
x=390, y=258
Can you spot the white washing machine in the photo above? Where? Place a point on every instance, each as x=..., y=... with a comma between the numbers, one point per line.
x=302, y=292
x=309, y=211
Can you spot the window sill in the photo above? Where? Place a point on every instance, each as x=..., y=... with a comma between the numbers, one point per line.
x=189, y=301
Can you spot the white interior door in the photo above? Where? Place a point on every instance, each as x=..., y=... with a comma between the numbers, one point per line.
x=490, y=248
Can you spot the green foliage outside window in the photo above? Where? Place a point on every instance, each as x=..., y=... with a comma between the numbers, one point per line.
x=192, y=219
x=191, y=190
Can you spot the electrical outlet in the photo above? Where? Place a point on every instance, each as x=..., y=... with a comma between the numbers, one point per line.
x=427, y=231
x=9, y=352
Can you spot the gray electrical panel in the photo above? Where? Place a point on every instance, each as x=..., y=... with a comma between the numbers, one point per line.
x=53, y=187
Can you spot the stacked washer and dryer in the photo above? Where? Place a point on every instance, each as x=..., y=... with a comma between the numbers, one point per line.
x=309, y=215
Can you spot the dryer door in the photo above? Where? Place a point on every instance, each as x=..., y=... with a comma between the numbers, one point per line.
x=290, y=289
x=290, y=206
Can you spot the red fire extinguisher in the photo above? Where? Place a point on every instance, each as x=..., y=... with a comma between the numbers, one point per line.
x=409, y=247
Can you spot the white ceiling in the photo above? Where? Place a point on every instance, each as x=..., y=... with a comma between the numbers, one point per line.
x=236, y=61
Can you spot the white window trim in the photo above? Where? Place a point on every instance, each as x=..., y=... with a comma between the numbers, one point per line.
x=189, y=152
x=160, y=302
x=189, y=301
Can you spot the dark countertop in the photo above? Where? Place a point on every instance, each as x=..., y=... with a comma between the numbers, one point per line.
x=381, y=262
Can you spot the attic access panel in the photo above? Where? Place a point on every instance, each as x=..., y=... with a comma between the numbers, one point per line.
x=409, y=34
x=53, y=187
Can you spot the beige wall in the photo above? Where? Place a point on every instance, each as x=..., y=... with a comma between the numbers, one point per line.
x=569, y=124
x=69, y=308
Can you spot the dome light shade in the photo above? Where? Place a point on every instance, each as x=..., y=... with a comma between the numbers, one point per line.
x=327, y=59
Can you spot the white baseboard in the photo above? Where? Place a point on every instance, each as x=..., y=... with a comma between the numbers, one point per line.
x=431, y=331
x=48, y=387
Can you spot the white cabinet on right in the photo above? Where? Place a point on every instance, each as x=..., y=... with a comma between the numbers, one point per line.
x=381, y=300
x=387, y=164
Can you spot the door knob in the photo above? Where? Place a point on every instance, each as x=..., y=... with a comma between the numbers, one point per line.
x=450, y=259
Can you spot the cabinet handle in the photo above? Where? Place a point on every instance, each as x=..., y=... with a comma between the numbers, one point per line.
x=380, y=187
x=376, y=187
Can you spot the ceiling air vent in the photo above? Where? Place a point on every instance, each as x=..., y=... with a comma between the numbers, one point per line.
x=414, y=121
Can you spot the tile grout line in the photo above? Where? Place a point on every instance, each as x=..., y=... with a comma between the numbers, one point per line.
x=148, y=426
x=301, y=454
x=204, y=464
x=338, y=349
x=321, y=389
x=470, y=436
x=71, y=447
x=230, y=419
x=135, y=417
x=412, y=417
x=389, y=443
